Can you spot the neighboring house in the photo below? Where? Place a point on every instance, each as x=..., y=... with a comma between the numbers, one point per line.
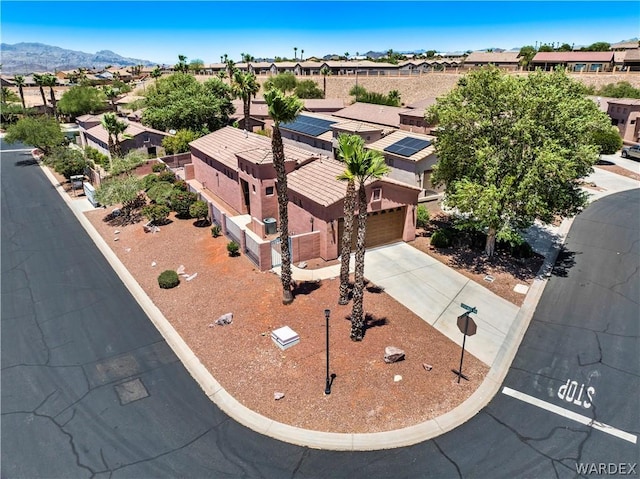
x=574, y=61
x=622, y=46
x=313, y=129
x=235, y=170
x=323, y=105
x=135, y=137
x=258, y=114
x=632, y=60
x=504, y=60
x=624, y=113
x=372, y=113
x=412, y=118
x=411, y=157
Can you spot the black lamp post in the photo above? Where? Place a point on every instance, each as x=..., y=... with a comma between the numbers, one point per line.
x=327, y=389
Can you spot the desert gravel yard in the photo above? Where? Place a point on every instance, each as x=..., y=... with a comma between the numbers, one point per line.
x=246, y=362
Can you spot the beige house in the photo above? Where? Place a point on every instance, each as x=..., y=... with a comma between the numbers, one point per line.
x=625, y=113
x=504, y=60
x=574, y=61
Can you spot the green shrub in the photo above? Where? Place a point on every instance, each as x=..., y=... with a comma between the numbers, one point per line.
x=158, y=167
x=422, y=217
x=199, y=210
x=441, y=239
x=160, y=192
x=608, y=140
x=180, y=185
x=94, y=155
x=216, y=231
x=181, y=201
x=168, y=279
x=66, y=161
x=167, y=175
x=232, y=248
x=156, y=213
x=149, y=180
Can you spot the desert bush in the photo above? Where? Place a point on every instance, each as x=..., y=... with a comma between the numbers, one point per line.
x=94, y=155
x=167, y=175
x=160, y=192
x=155, y=212
x=148, y=181
x=216, y=231
x=158, y=167
x=233, y=248
x=199, y=210
x=422, y=217
x=180, y=185
x=181, y=201
x=441, y=239
x=168, y=279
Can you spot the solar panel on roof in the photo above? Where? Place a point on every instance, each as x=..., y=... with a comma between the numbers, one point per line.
x=309, y=125
x=407, y=146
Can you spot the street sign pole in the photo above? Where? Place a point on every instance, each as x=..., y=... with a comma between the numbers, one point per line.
x=466, y=331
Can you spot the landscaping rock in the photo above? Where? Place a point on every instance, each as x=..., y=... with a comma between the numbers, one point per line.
x=224, y=319
x=428, y=367
x=180, y=269
x=278, y=396
x=189, y=278
x=302, y=265
x=393, y=354
x=397, y=378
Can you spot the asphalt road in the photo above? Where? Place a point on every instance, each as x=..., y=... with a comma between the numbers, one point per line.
x=90, y=388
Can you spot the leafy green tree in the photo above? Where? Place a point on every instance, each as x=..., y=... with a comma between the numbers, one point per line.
x=41, y=132
x=285, y=82
x=565, y=47
x=196, y=65
x=8, y=96
x=123, y=190
x=80, y=100
x=348, y=147
x=66, y=161
x=608, y=140
x=622, y=89
x=511, y=149
x=308, y=89
x=324, y=71
x=245, y=86
x=526, y=55
x=366, y=165
x=179, y=143
x=282, y=109
x=156, y=73
x=160, y=192
x=598, y=47
x=545, y=48
x=128, y=163
x=181, y=102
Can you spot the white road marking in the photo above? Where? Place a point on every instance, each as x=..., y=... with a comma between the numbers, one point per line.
x=13, y=151
x=587, y=421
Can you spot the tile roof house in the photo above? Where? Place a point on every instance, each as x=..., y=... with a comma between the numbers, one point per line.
x=574, y=61
x=631, y=60
x=135, y=137
x=506, y=60
x=625, y=114
x=235, y=171
x=412, y=117
x=411, y=157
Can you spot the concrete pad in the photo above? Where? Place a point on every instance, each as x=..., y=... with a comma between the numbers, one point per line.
x=442, y=279
x=419, y=297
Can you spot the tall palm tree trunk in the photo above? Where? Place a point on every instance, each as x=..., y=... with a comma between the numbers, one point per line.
x=357, y=311
x=283, y=211
x=246, y=102
x=44, y=99
x=490, y=244
x=345, y=246
x=21, y=91
x=54, y=103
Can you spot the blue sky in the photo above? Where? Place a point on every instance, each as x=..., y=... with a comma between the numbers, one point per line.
x=161, y=30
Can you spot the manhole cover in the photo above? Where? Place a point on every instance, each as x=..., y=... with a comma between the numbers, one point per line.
x=131, y=391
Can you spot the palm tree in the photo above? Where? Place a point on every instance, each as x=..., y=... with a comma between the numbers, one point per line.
x=244, y=86
x=19, y=81
x=366, y=165
x=231, y=68
x=282, y=109
x=182, y=65
x=346, y=55
x=348, y=147
x=114, y=128
x=51, y=81
x=301, y=55
x=111, y=94
x=324, y=71
x=295, y=53
x=39, y=79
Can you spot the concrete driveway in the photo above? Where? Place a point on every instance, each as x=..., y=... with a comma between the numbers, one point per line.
x=435, y=292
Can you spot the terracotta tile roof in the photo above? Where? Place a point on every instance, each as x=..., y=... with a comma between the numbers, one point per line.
x=492, y=57
x=627, y=45
x=392, y=138
x=413, y=112
x=226, y=144
x=423, y=104
x=371, y=113
x=258, y=110
x=554, y=57
x=324, y=104
x=317, y=181
x=624, y=101
x=354, y=126
x=632, y=55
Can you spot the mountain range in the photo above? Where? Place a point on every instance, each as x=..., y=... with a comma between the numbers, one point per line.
x=25, y=58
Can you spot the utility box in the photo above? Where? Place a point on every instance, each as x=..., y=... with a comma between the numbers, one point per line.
x=90, y=193
x=270, y=226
